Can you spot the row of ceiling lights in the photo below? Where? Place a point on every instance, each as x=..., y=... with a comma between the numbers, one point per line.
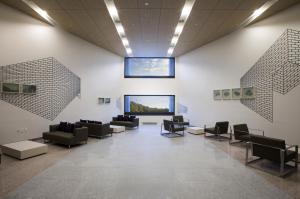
x=185, y=13
x=186, y=10
x=113, y=12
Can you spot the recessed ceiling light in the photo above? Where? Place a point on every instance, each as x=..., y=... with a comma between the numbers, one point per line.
x=170, y=51
x=258, y=12
x=40, y=11
x=120, y=29
x=179, y=28
x=113, y=12
x=186, y=10
x=125, y=42
x=146, y=4
x=174, y=40
x=129, y=51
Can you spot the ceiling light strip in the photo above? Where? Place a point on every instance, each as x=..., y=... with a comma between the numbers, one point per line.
x=113, y=12
x=258, y=12
x=185, y=13
x=40, y=11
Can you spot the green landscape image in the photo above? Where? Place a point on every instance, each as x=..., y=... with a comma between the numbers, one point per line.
x=136, y=107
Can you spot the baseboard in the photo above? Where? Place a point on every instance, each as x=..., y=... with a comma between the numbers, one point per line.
x=149, y=123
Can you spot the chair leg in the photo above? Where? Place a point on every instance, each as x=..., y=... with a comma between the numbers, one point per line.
x=247, y=153
x=281, y=162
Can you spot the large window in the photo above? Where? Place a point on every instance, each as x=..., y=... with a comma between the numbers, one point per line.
x=149, y=67
x=149, y=104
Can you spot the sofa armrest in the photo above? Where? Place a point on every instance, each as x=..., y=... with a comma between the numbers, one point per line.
x=81, y=133
x=53, y=128
x=258, y=130
x=136, y=121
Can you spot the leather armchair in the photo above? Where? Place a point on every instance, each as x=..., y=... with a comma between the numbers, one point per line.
x=274, y=150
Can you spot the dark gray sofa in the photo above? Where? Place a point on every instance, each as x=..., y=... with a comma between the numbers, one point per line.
x=132, y=123
x=77, y=136
x=97, y=130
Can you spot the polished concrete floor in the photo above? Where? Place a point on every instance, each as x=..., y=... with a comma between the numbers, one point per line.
x=142, y=164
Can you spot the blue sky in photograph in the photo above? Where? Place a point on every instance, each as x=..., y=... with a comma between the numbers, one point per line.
x=149, y=67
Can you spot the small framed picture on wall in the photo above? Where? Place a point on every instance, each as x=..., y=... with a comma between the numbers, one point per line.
x=226, y=94
x=249, y=93
x=217, y=94
x=236, y=93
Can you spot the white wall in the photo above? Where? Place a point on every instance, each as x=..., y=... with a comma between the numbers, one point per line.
x=222, y=63
x=23, y=38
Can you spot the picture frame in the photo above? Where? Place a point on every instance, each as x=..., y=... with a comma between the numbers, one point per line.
x=236, y=93
x=226, y=94
x=217, y=94
x=248, y=93
x=101, y=100
x=107, y=100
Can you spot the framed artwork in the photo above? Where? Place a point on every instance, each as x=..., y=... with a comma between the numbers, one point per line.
x=217, y=94
x=249, y=93
x=236, y=93
x=100, y=100
x=226, y=94
x=107, y=100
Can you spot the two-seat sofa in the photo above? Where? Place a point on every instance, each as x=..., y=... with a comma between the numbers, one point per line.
x=127, y=121
x=70, y=136
x=96, y=129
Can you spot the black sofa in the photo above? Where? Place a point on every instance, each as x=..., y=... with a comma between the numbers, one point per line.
x=66, y=134
x=96, y=129
x=124, y=120
x=274, y=150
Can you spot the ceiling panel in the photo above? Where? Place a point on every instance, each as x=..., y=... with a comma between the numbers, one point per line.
x=150, y=24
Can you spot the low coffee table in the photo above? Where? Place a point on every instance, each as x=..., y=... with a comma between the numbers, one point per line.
x=117, y=129
x=195, y=130
x=24, y=149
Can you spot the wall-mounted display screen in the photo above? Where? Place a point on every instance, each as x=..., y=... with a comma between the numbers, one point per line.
x=149, y=67
x=149, y=104
x=29, y=89
x=10, y=88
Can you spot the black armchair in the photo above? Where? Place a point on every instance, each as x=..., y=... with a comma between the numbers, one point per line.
x=180, y=119
x=241, y=133
x=220, y=128
x=274, y=150
x=172, y=129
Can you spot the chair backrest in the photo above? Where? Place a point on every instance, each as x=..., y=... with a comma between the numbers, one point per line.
x=266, y=147
x=168, y=125
x=178, y=118
x=222, y=126
x=240, y=129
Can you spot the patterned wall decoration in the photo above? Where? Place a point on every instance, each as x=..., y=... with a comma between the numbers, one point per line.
x=277, y=70
x=56, y=86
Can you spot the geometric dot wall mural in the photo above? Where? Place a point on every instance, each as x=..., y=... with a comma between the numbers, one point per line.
x=278, y=70
x=56, y=86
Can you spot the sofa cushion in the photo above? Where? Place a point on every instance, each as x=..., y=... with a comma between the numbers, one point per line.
x=120, y=118
x=62, y=126
x=83, y=121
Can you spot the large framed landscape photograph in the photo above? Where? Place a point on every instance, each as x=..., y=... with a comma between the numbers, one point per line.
x=149, y=104
x=149, y=67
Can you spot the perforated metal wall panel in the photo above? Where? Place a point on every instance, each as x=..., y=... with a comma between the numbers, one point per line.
x=56, y=86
